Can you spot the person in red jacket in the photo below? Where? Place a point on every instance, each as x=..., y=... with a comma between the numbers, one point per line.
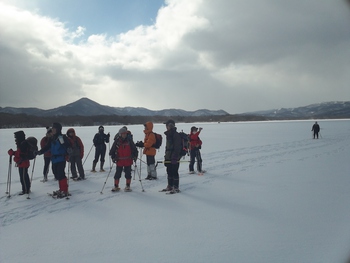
x=76, y=154
x=195, y=146
x=21, y=160
x=123, y=153
x=47, y=156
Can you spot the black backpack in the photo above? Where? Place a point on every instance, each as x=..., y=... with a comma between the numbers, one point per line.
x=185, y=141
x=32, y=144
x=159, y=140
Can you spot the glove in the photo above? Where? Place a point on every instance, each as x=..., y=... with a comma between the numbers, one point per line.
x=114, y=160
x=37, y=153
x=139, y=144
x=11, y=152
x=108, y=135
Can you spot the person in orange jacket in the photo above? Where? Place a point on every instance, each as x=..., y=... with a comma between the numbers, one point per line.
x=76, y=154
x=22, y=161
x=149, y=150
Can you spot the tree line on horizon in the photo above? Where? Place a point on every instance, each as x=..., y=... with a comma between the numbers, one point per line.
x=8, y=120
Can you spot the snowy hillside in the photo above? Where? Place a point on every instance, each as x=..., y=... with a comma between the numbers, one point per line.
x=271, y=194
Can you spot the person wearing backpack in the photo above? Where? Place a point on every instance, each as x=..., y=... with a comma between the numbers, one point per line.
x=100, y=140
x=22, y=160
x=47, y=155
x=58, y=145
x=172, y=157
x=149, y=150
x=195, y=146
x=123, y=153
x=76, y=155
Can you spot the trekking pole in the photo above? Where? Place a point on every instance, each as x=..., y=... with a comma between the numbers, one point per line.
x=68, y=173
x=110, y=170
x=140, y=164
x=170, y=161
x=8, y=188
x=31, y=178
x=88, y=154
x=109, y=149
x=142, y=161
x=139, y=177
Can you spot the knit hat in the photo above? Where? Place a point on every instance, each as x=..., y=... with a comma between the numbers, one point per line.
x=48, y=130
x=170, y=122
x=101, y=128
x=122, y=130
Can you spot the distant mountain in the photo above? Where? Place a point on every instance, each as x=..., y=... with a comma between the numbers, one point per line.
x=87, y=107
x=339, y=109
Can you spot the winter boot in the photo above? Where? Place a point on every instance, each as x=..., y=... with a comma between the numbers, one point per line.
x=116, y=186
x=93, y=167
x=149, y=176
x=63, y=185
x=101, y=167
x=153, y=171
x=127, y=187
x=167, y=189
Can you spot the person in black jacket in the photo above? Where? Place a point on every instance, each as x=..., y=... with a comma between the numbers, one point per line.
x=316, y=129
x=172, y=157
x=100, y=141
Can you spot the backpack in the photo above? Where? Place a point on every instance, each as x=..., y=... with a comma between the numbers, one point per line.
x=159, y=140
x=32, y=143
x=185, y=141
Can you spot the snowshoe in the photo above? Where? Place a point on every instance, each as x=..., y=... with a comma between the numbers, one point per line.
x=127, y=189
x=115, y=189
x=173, y=191
x=166, y=189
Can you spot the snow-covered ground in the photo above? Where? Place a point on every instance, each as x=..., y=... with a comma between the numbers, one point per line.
x=271, y=194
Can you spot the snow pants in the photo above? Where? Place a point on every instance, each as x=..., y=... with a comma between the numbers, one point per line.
x=24, y=178
x=127, y=171
x=195, y=154
x=100, y=152
x=173, y=175
x=76, y=162
x=47, y=161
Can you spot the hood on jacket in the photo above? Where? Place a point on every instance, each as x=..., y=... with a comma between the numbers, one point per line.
x=19, y=137
x=58, y=128
x=71, y=130
x=148, y=127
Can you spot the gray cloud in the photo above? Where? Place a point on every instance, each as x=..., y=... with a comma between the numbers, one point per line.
x=233, y=55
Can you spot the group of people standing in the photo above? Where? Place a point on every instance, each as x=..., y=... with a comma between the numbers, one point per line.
x=60, y=148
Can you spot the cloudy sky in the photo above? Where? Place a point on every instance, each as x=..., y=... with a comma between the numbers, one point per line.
x=235, y=55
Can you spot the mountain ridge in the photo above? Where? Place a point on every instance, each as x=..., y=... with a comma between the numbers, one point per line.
x=332, y=109
x=88, y=107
